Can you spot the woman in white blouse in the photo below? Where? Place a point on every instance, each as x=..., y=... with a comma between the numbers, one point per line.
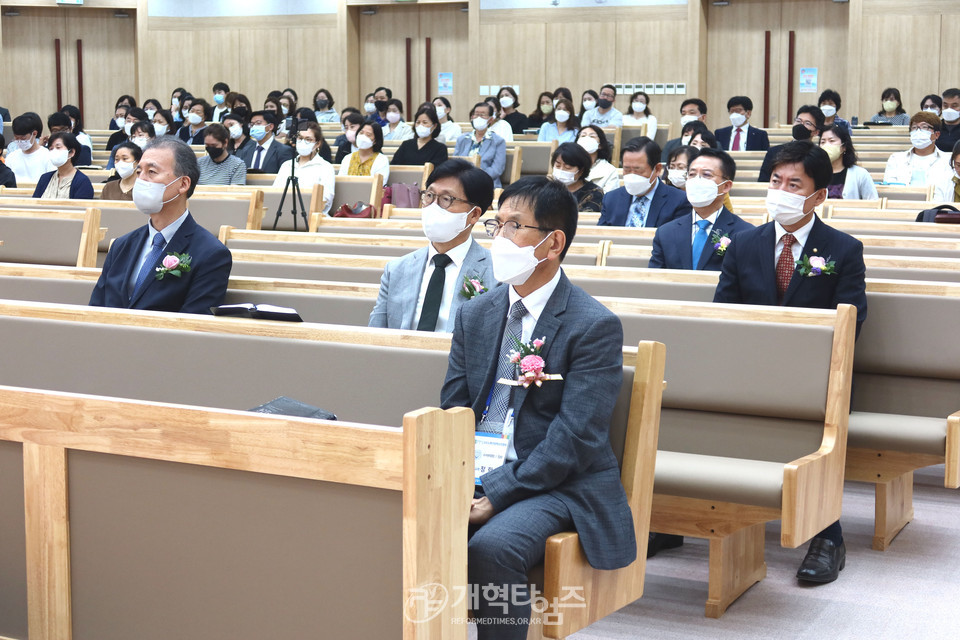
x=500, y=127
x=396, y=128
x=308, y=166
x=449, y=130
x=602, y=173
x=638, y=114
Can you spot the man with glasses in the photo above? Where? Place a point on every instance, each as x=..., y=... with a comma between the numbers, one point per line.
x=806, y=126
x=424, y=290
x=604, y=114
x=924, y=163
x=556, y=471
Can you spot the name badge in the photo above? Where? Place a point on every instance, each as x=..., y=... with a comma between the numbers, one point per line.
x=490, y=451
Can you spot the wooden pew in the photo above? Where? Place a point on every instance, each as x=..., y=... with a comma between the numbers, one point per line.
x=353, y=189
x=512, y=168
x=536, y=158
x=50, y=236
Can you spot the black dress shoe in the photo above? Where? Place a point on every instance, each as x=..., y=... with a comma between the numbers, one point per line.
x=660, y=541
x=823, y=561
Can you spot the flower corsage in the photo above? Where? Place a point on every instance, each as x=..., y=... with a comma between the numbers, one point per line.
x=472, y=287
x=721, y=242
x=174, y=264
x=530, y=365
x=810, y=266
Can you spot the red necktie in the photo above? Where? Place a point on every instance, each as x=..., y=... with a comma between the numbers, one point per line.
x=736, y=140
x=785, y=266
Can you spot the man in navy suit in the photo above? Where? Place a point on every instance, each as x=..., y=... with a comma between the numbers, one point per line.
x=807, y=125
x=167, y=175
x=689, y=242
x=557, y=469
x=643, y=200
x=267, y=154
x=774, y=265
x=740, y=136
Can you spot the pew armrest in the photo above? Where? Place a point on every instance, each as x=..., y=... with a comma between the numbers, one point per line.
x=951, y=476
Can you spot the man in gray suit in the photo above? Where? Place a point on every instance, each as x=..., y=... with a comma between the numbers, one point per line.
x=557, y=470
x=423, y=290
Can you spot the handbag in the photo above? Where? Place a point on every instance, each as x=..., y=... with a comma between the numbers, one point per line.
x=358, y=210
x=943, y=214
x=406, y=196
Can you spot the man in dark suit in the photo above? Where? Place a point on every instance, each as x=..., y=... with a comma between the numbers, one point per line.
x=689, y=242
x=267, y=154
x=782, y=263
x=740, y=136
x=131, y=275
x=643, y=200
x=557, y=469
x=809, y=123
x=691, y=110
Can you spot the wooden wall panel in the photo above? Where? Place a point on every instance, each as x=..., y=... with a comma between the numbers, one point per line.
x=821, y=41
x=448, y=29
x=949, y=60
x=511, y=54
x=28, y=63
x=578, y=56
x=313, y=55
x=383, y=52
x=263, y=71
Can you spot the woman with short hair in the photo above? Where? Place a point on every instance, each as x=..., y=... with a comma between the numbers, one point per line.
x=571, y=164
x=367, y=160
x=424, y=147
x=602, y=172
x=64, y=182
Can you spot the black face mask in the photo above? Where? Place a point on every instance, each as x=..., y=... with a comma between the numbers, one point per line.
x=322, y=105
x=603, y=103
x=214, y=152
x=381, y=105
x=800, y=132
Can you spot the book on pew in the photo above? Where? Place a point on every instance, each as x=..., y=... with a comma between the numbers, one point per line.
x=259, y=311
x=284, y=406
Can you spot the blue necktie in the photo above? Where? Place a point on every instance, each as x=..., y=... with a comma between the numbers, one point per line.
x=638, y=212
x=256, y=158
x=699, y=240
x=500, y=401
x=146, y=270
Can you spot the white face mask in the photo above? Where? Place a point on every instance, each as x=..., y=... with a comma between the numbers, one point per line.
x=235, y=131
x=685, y=140
x=828, y=111
x=637, y=185
x=124, y=169
x=127, y=126
x=284, y=110
x=701, y=191
x=424, y=132
x=174, y=102
x=369, y=107
x=687, y=119
x=363, y=141
x=564, y=177
x=512, y=264
x=678, y=177
x=562, y=116
x=148, y=196
x=440, y=225
x=933, y=110
x=185, y=113
x=480, y=124
x=194, y=118
x=393, y=117
x=785, y=207
x=639, y=107
x=351, y=136
x=24, y=145
x=950, y=114
x=160, y=129
x=555, y=101
x=921, y=139
x=119, y=122
x=506, y=102
x=441, y=111
x=150, y=113
x=589, y=104
x=304, y=148
x=737, y=119
x=589, y=144
x=141, y=142
x=59, y=157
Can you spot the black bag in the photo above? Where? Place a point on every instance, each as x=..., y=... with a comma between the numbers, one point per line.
x=285, y=406
x=943, y=214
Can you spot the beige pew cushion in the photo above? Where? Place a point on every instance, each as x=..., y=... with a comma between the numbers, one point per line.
x=888, y=431
x=690, y=475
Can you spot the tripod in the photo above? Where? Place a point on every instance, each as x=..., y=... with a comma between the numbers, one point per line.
x=293, y=181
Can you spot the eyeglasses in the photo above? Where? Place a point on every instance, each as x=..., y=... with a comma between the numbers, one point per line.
x=922, y=128
x=508, y=229
x=806, y=123
x=445, y=201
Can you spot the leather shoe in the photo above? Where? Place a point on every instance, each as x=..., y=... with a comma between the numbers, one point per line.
x=823, y=562
x=660, y=541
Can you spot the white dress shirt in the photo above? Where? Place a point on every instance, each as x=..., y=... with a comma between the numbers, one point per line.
x=713, y=220
x=800, y=237
x=451, y=284
x=263, y=154
x=743, y=136
x=168, y=232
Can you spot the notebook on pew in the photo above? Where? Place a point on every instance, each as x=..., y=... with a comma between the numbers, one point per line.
x=258, y=311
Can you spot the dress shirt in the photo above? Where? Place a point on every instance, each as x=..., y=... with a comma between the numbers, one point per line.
x=451, y=283
x=743, y=137
x=648, y=196
x=713, y=220
x=168, y=232
x=800, y=236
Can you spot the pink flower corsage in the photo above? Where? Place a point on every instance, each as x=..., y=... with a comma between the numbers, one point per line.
x=721, y=242
x=174, y=264
x=530, y=365
x=472, y=287
x=815, y=266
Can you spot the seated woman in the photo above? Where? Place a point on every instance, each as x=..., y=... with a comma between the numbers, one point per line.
x=449, y=130
x=509, y=101
x=163, y=123
x=193, y=131
x=218, y=166
x=538, y=116
x=367, y=160
x=491, y=148
x=309, y=167
x=638, y=114
x=424, y=148
x=892, y=110
x=65, y=182
x=571, y=164
x=562, y=124
x=59, y=121
x=498, y=125
x=588, y=101
x=352, y=122
x=152, y=106
x=126, y=119
x=602, y=173
x=850, y=181
x=128, y=102
x=239, y=130
x=323, y=107
x=947, y=187
x=76, y=127
x=396, y=128
x=304, y=117
x=120, y=185
x=677, y=163
x=141, y=133
x=704, y=140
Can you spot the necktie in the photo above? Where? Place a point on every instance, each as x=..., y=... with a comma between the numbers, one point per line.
x=146, y=269
x=500, y=401
x=698, y=241
x=431, y=301
x=638, y=212
x=785, y=266
x=256, y=158
x=956, y=189
x=736, y=140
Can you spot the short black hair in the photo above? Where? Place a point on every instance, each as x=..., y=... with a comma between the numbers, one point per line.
x=849, y=153
x=132, y=148
x=395, y=102
x=701, y=105
x=513, y=94
x=708, y=137
x=59, y=119
x=894, y=93
x=477, y=184
x=830, y=95
x=815, y=112
x=727, y=164
x=138, y=113
x=69, y=141
x=145, y=126
x=693, y=128
x=385, y=90
x=26, y=123
x=167, y=119
x=377, y=134
x=574, y=155
x=74, y=113
x=554, y=207
x=153, y=101
x=427, y=109
x=740, y=101
x=269, y=116
x=647, y=146
x=816, y=163
x=604, y=151
x=445, y=102
x=296, y=98
x=690, y=152
x=221, y=86
x=218, y=132
x=563, y=92
x=935, y=98
x=275, y=94
x=950, y=93
x=611, y=87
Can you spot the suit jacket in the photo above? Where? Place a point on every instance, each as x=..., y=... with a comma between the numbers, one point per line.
x=195, y=291
x=80, y=188
x=273, y=157
x=673, y=244
x=396, y=306
x=493, y=154
x=669, y=146
x=749, y=272
x=757, y=139
x=5, y=114
x=562, y=432
x=668, y=203
x=767, y=167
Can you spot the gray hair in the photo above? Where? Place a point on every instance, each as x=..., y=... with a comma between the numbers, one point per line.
x=184, y=159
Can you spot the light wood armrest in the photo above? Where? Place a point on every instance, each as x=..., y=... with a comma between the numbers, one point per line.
x=951, y=476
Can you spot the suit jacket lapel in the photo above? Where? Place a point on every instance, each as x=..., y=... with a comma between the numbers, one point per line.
x=656, y=203
x=411, y=277
x=491, y=333
x=178, y=244
x=722, y=226
x=472, y=266
x=814, y=241
x=767, y=246
x=547, y=326
x=686, y=255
